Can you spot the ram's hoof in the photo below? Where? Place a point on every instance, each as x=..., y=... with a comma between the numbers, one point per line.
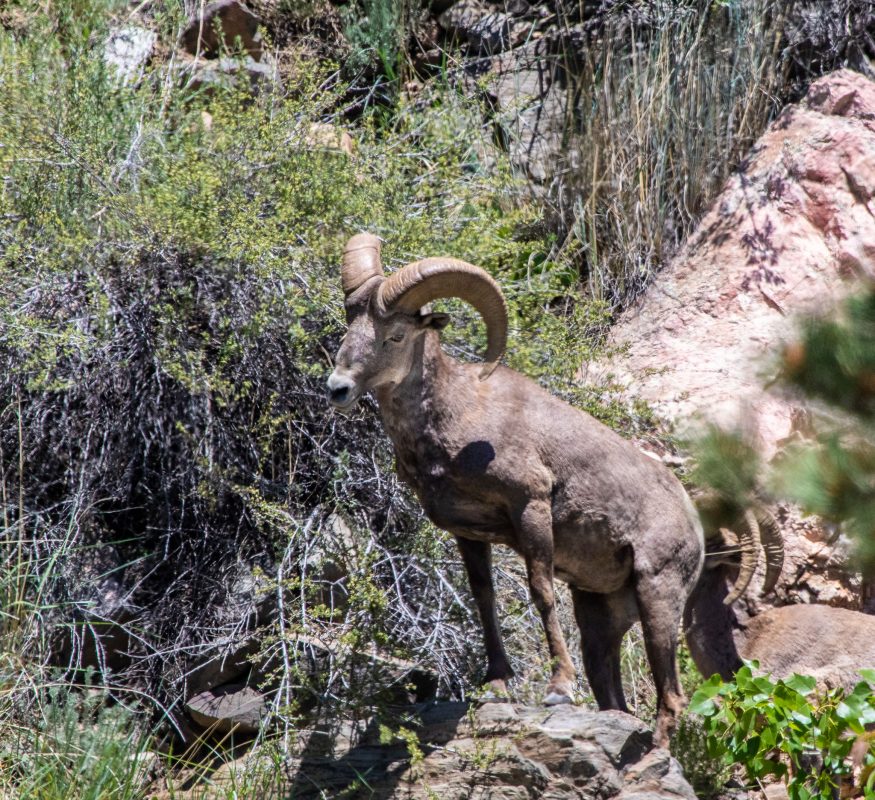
x=556, y=699
x=490, y=696
x=493, y=692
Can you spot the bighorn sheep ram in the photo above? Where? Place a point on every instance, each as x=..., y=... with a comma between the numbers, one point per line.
x=830, y=644
x=495, y=459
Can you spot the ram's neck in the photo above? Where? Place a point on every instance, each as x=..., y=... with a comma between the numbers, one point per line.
x=413, y=410
x=711, y=627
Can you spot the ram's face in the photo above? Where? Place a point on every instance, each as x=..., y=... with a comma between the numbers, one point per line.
x=387, y=316
x=376, y=351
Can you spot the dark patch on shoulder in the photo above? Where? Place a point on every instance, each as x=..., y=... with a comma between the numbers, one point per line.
x=474, y=458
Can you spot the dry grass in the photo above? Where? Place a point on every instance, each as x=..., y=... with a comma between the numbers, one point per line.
x=667, y=103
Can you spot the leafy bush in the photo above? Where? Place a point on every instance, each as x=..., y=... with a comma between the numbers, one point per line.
x=782, y=729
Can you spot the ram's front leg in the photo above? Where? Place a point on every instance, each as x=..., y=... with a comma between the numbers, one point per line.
x=535, y=541
x=477, y=557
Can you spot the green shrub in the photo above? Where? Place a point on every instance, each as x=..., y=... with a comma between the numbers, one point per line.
x=704, y=768
x=76, y=745
x=781, y=728
x=377, y=31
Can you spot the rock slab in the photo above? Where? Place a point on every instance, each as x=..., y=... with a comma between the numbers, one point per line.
x=505, y=752
x=230, y=708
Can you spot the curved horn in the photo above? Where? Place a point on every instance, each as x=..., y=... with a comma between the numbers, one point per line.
x=773, y=547
x=749, y=543
x=361, y=262
x=432, y=278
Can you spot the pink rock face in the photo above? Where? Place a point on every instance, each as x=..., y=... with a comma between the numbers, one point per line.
x=787, y=235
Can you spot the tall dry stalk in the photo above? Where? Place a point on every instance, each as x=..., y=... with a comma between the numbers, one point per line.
x=667, y=104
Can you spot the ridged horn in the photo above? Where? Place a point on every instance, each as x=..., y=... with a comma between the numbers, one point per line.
x=773, y=547
x=361, y=262
x=433, y=278
x=749, y=544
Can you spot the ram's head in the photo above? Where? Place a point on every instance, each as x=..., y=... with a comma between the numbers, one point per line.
x=388, y=315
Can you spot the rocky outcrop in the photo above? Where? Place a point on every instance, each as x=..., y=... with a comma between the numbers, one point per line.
x=790, y=229
x=500, y=751
x=789, y=234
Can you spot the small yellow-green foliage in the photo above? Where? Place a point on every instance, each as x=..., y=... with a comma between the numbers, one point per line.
x=406, y=735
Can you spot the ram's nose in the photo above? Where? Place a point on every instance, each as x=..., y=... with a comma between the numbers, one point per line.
x=340, y=395
x=341, y=391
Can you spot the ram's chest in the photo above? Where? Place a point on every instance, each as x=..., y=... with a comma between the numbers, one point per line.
x=456, y=490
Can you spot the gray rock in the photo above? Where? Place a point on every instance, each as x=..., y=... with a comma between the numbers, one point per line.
x=128, y=50
x=496, y=718
x=230, y=708
x=230, y=665
x=228, y=73
x=503, y=751
x=223, y=22
x=657, y=772
x=531, y=110
x=484, y=30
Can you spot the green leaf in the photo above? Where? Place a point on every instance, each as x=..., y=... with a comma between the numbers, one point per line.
x=803, y=717
x=701, y=702
x=804, y=684
x=711, y=687
x=702, y=705
x=768, y=738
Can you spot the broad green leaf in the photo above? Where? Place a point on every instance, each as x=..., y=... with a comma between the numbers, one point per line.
x=711, y=687
x=702, y=705
x=803, y=716
x=804, y=684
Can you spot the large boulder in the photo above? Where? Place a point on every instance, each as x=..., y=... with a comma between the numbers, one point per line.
x=789, y=233
x=500, y=751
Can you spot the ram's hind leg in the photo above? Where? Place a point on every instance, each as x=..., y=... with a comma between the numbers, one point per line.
x=660, y=606
x=603, y=621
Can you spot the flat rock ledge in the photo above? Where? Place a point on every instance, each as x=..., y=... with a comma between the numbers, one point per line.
x=513, y=752
x=499, y=751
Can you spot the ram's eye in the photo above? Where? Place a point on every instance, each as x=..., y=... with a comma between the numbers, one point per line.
x=396, y=337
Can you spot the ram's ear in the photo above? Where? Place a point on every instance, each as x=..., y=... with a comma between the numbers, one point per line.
x=436, y=321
